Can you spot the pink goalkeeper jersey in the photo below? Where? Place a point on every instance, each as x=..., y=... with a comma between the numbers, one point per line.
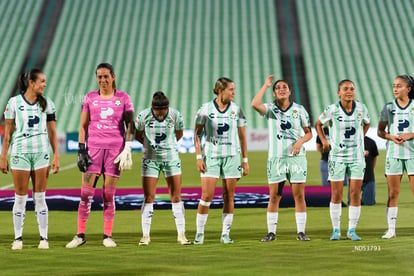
x=106, y=126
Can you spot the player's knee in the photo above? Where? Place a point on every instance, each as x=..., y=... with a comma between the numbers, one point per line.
x=40, y=201
x=205, y=203
x=87, y=193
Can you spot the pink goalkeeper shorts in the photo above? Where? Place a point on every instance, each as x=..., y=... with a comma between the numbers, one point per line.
x=103, y=162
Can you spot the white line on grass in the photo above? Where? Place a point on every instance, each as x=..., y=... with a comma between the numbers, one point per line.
x=67, y=167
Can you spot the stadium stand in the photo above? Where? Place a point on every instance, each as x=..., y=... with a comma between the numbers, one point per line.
x=181, y=47
x=368, y=42
x=18, y=21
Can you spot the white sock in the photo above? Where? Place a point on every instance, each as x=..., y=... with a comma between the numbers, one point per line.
x=227, y=220
x=300, y=221
x=19, y=212
x=335, y=210
x=41, y=212
x=178, y=213
x=147, y=210
x=272, y=218
x=201, y=222
x=392, y=217
x=354, y=213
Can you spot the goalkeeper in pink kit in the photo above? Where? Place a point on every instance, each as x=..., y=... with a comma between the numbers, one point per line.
x=103, y=149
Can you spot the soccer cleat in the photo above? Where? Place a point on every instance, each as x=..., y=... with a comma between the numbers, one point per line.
x=17, y=244
x=302, y=237
x=269, y=237
x=389, y=235
x=336, y=235
x=226, y=239
x=199, y=239
x=181, y=239
x=43, y=244
x=108, y=241
x=77, y=241
x=352, y=235
x=145, y=240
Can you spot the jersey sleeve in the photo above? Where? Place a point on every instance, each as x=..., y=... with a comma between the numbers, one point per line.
x=242, y=119
x=51, y=108
x=384, y=115
x=85, y=104
x=128, y=107
x=200, y=117
x=366, y=118
x=326, y=115
x=140, y=121
x=305, y=120
x=179, y=121
x=10, y=112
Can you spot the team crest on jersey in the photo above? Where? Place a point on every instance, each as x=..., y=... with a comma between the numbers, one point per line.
x=170, y=123
x=295, y=114
x=412, y=111
x=233, y=115
x=359, y=116
x=117, y=102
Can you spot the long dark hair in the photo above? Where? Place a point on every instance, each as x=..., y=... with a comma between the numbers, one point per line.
x=111, y=71
x=23, y=84
x=409, y=80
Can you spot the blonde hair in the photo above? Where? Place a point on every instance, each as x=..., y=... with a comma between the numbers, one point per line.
x=221, y=84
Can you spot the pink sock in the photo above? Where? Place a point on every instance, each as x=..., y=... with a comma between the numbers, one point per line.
x=108, y=194
x=84, y=207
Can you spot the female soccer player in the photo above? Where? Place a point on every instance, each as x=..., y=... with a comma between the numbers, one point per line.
x=30, y=127
x=289, y=128
x=398, y=117
x=222, y=123
x=104, y=114
x=348, y=121
x=158, y=129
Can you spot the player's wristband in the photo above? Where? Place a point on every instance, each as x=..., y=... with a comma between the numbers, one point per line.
x=245, y=160
x=199, y=156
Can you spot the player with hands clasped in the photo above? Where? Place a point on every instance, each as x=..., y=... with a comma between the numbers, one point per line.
x=30, y=128
x=289, y=129
x=348, y=121
x=224, y=126
x=158, y=129
x=104, y=115
x=398, y=117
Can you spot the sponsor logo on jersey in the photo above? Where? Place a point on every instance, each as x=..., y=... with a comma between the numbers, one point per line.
x=106, y=111
x=33, y=120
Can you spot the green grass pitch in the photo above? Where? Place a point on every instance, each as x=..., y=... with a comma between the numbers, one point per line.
x=247, y=256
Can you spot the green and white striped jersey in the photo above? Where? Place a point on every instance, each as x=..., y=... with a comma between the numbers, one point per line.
x=399, y=120
x=30, y=135
x=221, y=138
x=346, y=131
x=160, y=141
x=285, y=128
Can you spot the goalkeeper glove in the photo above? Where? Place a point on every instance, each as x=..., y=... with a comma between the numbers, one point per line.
x=84, y=160
x=125, y=158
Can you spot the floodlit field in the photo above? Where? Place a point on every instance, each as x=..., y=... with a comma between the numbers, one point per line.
x=247, y=256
